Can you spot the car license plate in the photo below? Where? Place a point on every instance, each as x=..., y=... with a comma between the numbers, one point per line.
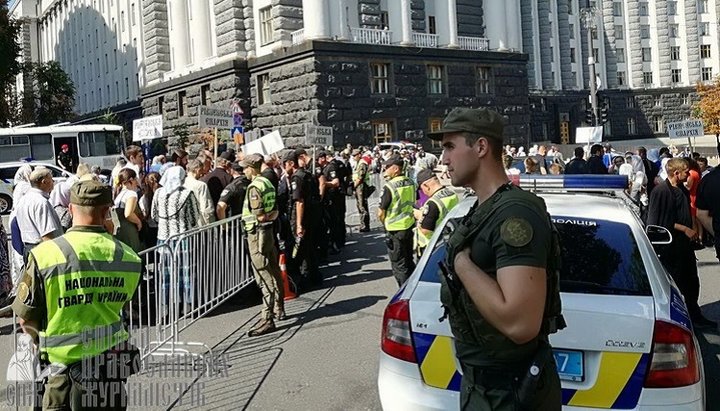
x=570, y=364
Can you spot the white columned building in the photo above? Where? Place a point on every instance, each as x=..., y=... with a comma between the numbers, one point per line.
x=179, y=38
x=496, y=29
x=316, y=20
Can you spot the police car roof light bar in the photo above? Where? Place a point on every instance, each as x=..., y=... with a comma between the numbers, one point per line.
x=577, y=182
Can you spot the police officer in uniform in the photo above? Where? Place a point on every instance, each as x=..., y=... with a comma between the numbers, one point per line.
x=304, y=217
x=333, y=200
x=233, y=195
x=441, y=200
x=500, y=283
x=259, y=213
x=89, y=275
x=396, y=213
x=361, y=181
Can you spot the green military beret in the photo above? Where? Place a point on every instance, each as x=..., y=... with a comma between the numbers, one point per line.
x=90, y=193
x=483, y=121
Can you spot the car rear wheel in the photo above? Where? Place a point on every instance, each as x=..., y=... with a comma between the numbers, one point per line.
x=5, y=204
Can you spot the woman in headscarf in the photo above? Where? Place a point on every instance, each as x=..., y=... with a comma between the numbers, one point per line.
x=21, y=185
x=176, y=211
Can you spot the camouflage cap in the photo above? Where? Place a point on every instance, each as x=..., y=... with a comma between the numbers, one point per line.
x=90, y=193
x=483, y=121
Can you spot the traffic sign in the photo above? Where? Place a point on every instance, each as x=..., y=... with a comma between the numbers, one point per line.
x=148, y=128
x=687, y=128
x=214, y=117
x=237, y=136
x=318, y=135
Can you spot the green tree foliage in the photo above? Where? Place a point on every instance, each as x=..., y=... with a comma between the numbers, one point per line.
x=9, y=65
x=54, y=94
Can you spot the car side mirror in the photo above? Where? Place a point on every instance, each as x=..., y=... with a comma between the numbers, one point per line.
x=658, y=235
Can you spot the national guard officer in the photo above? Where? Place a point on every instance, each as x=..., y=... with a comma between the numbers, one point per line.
x=441, y=200
x=500, y=286
x=70, y=300
x=333, y=200
x=361, y=181
x=396, y=213
x=303, y=216
x=259, y=214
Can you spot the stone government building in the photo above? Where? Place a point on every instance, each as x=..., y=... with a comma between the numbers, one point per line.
x=379, y=70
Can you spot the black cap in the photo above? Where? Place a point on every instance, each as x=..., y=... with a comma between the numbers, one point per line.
x=237, y=167
x=486, y=122
x=424, y=175
x=394, y=161
x=290, y=155
x=321, y=154
x=300, y=152
x=228, y=156
x=90, y=193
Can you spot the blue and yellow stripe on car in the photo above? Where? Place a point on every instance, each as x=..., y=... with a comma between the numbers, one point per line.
x=618, y=384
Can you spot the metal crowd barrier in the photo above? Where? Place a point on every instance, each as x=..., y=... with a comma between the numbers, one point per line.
x=184, y=279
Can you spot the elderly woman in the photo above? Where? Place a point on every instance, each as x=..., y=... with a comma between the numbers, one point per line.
x=21, y=185
x=176, y=211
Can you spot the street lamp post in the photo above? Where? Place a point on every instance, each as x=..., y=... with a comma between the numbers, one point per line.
x=588, y=17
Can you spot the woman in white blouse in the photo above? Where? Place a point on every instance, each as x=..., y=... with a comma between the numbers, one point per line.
x=128, y=210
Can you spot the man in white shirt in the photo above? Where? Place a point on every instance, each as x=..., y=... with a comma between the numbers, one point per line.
x=35, y=216
x=207, y=210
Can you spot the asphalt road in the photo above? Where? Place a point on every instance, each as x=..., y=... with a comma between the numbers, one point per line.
x=324, y=357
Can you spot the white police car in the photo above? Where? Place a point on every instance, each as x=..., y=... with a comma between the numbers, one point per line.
x=628, y=345
x=7, y=176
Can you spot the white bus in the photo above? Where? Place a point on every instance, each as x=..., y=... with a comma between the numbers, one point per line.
x=93, y=144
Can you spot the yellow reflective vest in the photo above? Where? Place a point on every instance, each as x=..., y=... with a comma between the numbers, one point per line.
x=399, y=216
x=88, y=277
x=445, y=199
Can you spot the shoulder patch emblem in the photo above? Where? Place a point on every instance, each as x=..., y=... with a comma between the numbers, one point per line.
x=294, y=185
x=224, y=193
x=516, y=232
x=23, y=292
x=333, y=174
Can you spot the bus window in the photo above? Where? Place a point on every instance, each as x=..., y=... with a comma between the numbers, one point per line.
x=14, y=148
x=99, y=143
x=41, y=147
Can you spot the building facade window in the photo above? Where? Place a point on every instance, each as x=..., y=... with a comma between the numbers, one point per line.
x=620, y=53
x=645, y=31
x=630, y=102
x=572, y=54
x=705, y=29
x=702, y=6
x=596, y=55
x=182, y=103
x=572, y=30
x=266, y=26
x=675, y=53
x=380, y=78
x=436, y=81
x=205, y=94
x=382, y=130
x=434, y=124
x=619, y=33
x=676, y=76
x=672, y=8
x=707, y=73
x=552, y=55
x=643, y=10
x=705, y=51
x=674, y=30
x=657, y=101
x=631, y=126
x=646, y=54
x=617, y=8
x=127, y=89
x=484, y=80
x=658, y=124
x=621, y=78
x=432, y=25
x=685, y=97
x=263, y=86
x=647, y=78
x=384, y=20
x=161, y=102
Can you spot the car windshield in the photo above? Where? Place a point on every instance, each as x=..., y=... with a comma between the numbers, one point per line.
x=598, y=257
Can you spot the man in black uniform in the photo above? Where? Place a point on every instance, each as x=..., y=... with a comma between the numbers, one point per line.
x=303, y=216
x=577, y=165
x=333, y=200
x=233, y=196
x=65, y=160
x=500, y=285
x=708, y=205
